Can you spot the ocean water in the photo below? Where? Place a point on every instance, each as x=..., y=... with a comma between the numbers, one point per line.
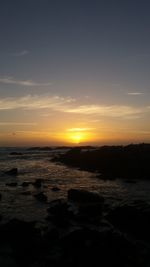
x=20, y=202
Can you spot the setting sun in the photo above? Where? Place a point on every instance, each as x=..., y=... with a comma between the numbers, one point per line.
x=77, y=137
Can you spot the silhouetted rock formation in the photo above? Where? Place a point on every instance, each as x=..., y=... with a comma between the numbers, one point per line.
x=111, y=162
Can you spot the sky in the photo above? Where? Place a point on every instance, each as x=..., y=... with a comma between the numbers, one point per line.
x=74, y=72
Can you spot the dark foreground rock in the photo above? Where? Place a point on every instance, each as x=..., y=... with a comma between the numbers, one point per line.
x=55, y=189
x=78, y=195
x=13, y=171
x=134, y=220
x=69, y=240
x=16, y=153
x=38, y=183
x=41, y=197
x=13, y=184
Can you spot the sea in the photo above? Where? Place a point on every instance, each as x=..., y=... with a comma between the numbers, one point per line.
x=20, y=202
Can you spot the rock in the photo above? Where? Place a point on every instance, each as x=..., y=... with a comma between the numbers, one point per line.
x=27, y=193
x=12, y=184
x=0, y=196
x=55, y=188
x=41, y=197
x=25, y=184
x=38, y=183
x=13, y=171
x=134, y=220
x=22, y=239
x=78, y=195
x=16, y=154
x=87, y=247
x=59, y=212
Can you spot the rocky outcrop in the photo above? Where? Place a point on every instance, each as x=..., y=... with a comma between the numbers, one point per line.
x=13, y=171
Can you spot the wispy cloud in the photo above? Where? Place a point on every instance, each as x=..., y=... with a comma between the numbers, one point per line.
x=8, y=123
x=20, y=53
x=70, y=105
x=103, y=110
x=79, y=129
x=30, y=102
x=11, y=80
x=135, y=93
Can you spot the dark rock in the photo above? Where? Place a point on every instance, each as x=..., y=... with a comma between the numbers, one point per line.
x=12, y=184
x=59, y=212
x=13, y=171
x=134, y=220
x=78, y=195
x=41, y=197
x=25, y=184
x=38, y=183
x=23, y=240
x=131, y=181
x=87, y=247
x=111, y=161
x=26, y=193
x=55, y=188
x=16, y=154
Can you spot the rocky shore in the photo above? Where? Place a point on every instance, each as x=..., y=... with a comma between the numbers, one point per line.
x=111, y=162
x=79, y=231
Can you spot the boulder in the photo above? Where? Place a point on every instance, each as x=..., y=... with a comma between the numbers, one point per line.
x=25, y=184
x=83, y=196
x=13, y=171
x=16, y=153
x=38, y=183
x=134, y=220
x=41, y=197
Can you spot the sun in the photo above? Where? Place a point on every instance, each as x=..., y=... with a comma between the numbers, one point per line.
x=77, y=137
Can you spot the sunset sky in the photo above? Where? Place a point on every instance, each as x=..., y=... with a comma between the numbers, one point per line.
x=74, y=72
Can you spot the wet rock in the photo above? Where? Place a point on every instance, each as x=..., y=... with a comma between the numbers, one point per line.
x=38, y=183
x=41, y=197
x=13, y=184
x=13, y=171
x=55, y=189
x=83, y=196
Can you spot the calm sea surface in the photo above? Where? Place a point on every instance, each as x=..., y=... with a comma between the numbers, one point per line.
x=19, y=202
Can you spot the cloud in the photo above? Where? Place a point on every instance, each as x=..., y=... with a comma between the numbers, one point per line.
x=70, y=105
x=79, y=129
x=21, y=53
x=135, y=93
x=32, y=102
x=103, y=110
x=11, y=80
x=7, y=123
